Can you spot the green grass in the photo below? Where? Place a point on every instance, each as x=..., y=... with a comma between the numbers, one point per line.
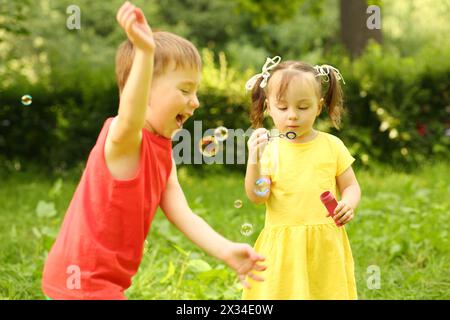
x=401, y=226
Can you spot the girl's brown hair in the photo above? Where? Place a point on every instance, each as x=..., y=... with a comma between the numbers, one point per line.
x=330, y=91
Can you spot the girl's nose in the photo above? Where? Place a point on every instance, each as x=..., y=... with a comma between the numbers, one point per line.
x=292, y=115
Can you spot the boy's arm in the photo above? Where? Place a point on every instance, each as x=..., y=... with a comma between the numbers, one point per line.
x=135, y=96
x=125, y=132
x=178, y=212
x=241, y=257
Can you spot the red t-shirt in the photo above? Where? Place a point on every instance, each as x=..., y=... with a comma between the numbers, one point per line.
x=100, y=244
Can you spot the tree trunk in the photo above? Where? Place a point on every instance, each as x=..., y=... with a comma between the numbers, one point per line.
x=354, y=31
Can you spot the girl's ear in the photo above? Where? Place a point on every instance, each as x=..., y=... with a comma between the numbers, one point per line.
x=321, y=102
x=267, y=109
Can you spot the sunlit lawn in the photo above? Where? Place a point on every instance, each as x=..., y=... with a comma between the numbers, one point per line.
x=401, y=227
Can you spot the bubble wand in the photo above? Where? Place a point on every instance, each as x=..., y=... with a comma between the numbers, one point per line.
x=291, y=135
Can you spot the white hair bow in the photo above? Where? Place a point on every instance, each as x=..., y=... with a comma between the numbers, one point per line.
x=269, y=65
x=324, y=70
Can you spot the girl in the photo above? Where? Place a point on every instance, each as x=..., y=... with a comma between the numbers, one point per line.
x=308, y=255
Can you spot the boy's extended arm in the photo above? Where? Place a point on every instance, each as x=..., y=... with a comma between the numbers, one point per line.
x=177, y=210
x=239, y=256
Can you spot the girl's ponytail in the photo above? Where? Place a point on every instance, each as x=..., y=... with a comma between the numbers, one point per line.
x=334, y=98
x=258, y=104
x=256, y=84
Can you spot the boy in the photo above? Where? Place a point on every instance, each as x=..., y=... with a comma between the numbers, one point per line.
x=130, y=171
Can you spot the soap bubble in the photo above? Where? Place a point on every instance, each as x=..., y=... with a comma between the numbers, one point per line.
x=221, y=133
x=238, y=204
x=27, y=100
x=246, y=229
x=262, y=187
x=208, y=146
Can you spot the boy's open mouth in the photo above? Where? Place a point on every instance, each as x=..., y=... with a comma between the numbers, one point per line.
x=181, y=118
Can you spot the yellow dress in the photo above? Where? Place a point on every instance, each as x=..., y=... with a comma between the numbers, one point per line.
x=307, y=255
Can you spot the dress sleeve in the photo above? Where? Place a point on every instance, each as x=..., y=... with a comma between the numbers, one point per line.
x=344, y=158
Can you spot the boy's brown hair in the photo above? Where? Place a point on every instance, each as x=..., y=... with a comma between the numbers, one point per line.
x=169, y=48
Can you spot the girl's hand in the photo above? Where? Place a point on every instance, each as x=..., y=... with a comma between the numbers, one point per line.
x=256, y=144
x=243, y=259
x=133, y=21
x=343, y=213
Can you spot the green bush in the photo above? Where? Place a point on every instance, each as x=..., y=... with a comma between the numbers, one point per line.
x=390, y=101
x=398, y=107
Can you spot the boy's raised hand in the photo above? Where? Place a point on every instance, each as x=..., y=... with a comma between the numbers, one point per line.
x=244, y=260
x=133, y=21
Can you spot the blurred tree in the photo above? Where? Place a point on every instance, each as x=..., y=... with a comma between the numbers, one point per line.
x=13, y=15
x=266, y=11
x=354, y=30
x=70, y=73
x=207, y=23
x=413, y=26
x=307, y=35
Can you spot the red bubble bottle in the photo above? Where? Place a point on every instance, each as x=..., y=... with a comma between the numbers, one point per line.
x=330, y=203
